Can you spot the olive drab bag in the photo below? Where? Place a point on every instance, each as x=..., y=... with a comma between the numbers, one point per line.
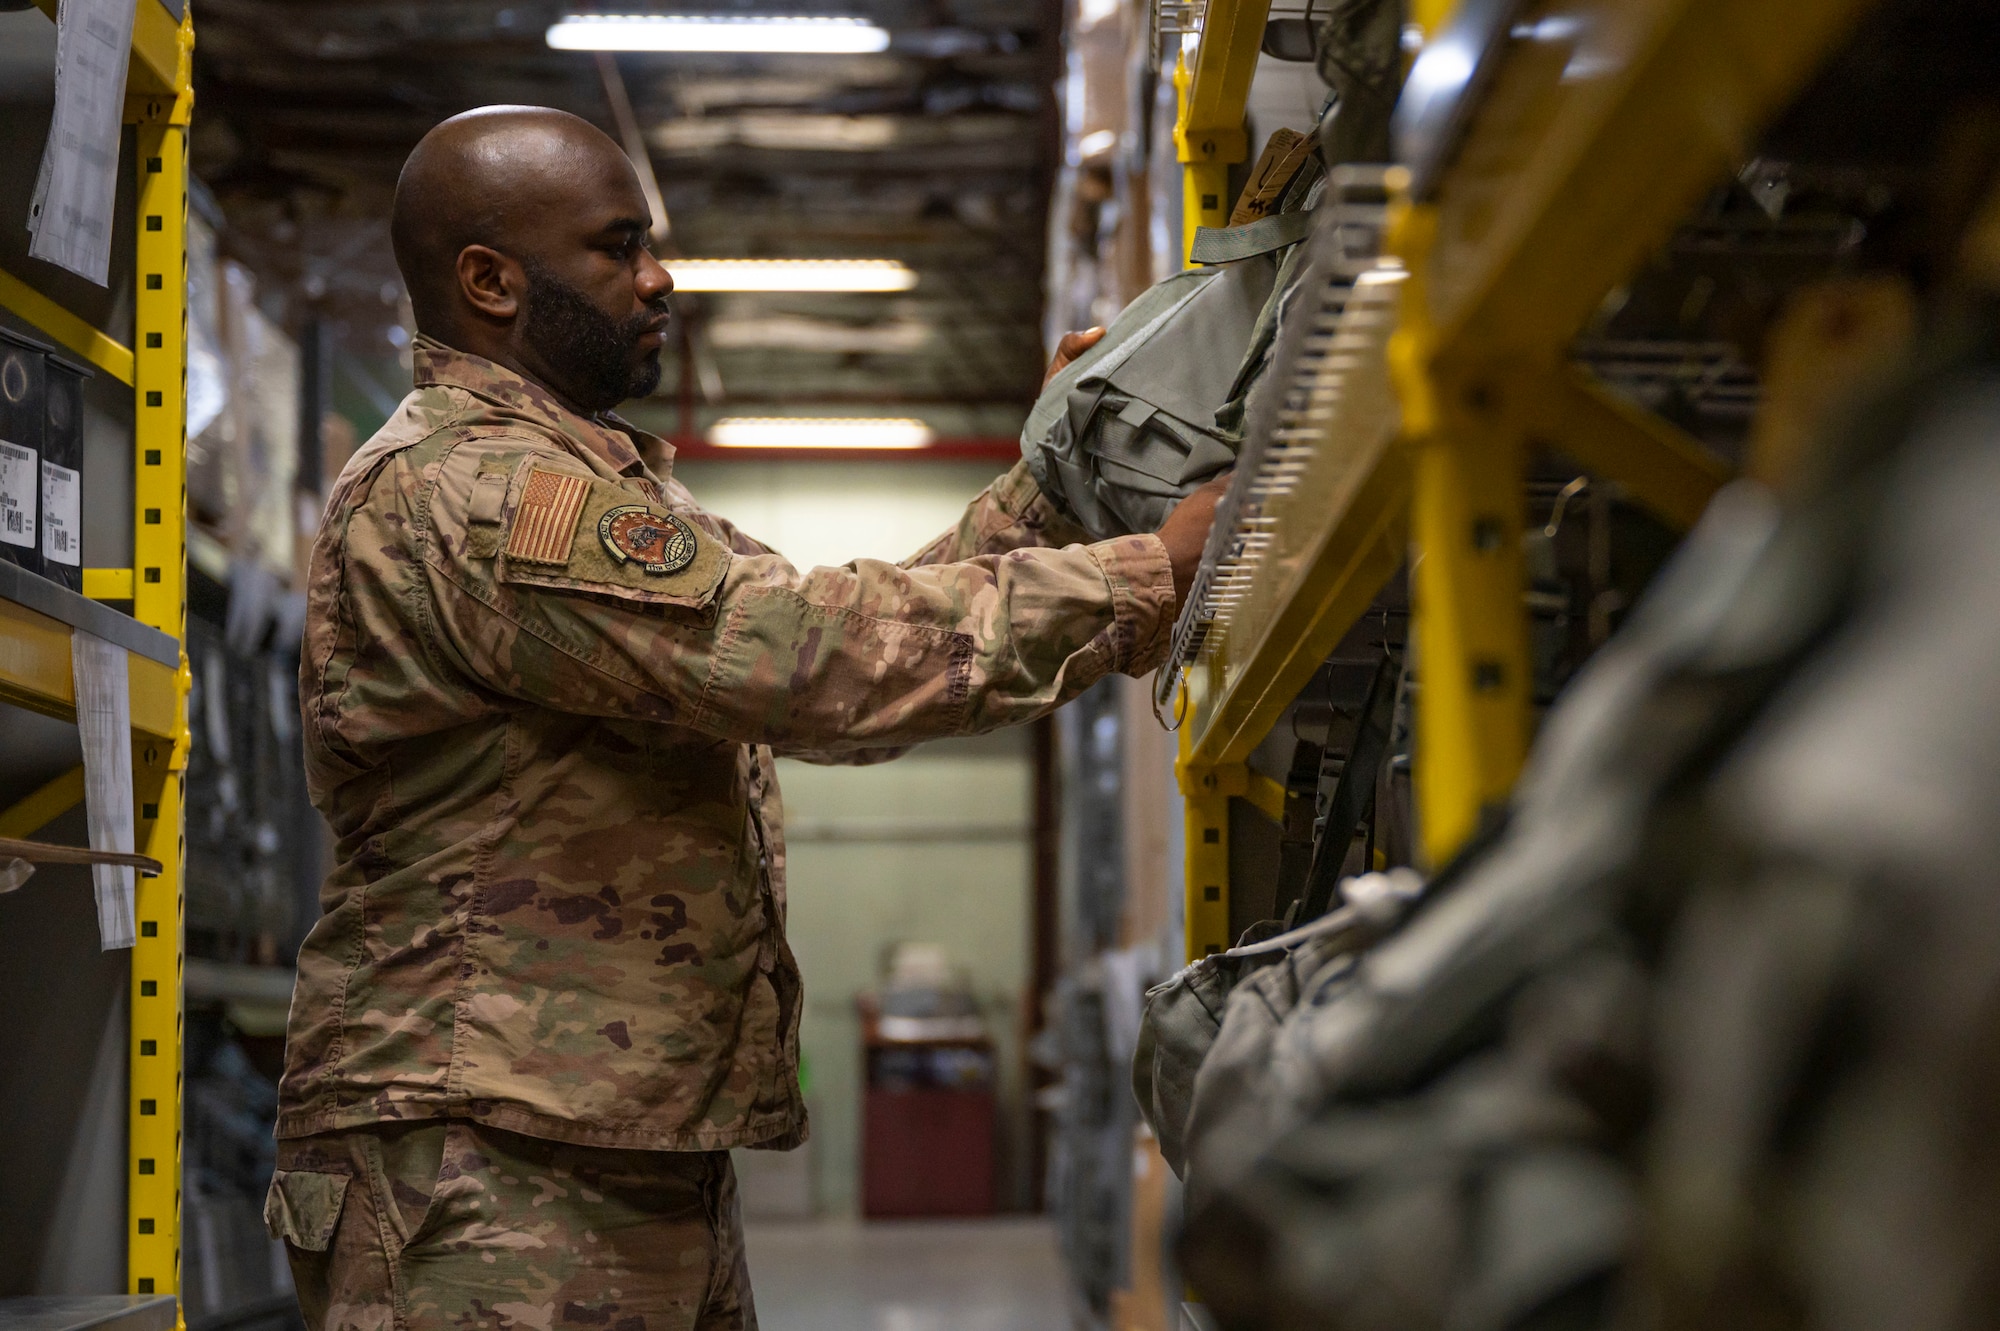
x=1187, y=1015
x=1152, y=411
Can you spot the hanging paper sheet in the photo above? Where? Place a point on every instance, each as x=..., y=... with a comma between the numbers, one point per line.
x=104, y=722
x=77, y=191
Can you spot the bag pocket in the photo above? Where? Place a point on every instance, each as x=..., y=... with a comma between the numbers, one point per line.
x=1146, y=460
x=303, y=1206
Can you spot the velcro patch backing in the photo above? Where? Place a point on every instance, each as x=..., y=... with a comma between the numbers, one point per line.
x=545, y=522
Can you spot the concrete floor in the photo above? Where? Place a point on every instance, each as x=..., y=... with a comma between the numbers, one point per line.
x=957, y=1275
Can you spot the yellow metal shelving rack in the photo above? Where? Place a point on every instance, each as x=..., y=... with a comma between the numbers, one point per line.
x=1569, y=148
x=35, y=626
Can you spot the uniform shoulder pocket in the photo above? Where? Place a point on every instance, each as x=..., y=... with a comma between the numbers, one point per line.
x=569, y=531
x=303, y=1206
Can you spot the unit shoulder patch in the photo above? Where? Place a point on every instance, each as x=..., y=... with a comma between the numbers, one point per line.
x=641, y=551
x=657, y=542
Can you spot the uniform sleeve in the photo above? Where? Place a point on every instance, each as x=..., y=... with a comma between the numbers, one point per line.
x=739, y=541
x=1010, y=514
x=554, y=587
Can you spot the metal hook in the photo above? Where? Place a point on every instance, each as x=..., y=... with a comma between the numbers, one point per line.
x=1563, y=496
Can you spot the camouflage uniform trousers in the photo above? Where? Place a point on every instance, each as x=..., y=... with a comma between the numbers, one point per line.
x=448, y=1223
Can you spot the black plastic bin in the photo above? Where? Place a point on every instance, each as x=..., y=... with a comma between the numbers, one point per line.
x=23, y=427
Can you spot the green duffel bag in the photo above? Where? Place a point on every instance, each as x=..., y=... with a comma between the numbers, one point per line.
x=1138, y=422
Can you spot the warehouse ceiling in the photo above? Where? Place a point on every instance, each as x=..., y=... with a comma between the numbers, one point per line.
x=937, y=152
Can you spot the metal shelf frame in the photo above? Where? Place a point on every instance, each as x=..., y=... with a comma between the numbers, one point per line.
x=36, y=621
x=1211, y=95
x=1599, y=128
x=1582, y=141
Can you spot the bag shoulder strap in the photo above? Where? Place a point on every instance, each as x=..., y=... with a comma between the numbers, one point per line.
x=1228, y=244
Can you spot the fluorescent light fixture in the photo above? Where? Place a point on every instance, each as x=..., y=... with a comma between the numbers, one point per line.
x=1096, y=142
x=820, y=432
x=894, y=337
x=761, y=35
x=791, y=275
x=780, y=132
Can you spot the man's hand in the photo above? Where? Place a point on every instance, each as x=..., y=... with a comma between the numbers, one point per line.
x=1185, y=532
x=1071, y=346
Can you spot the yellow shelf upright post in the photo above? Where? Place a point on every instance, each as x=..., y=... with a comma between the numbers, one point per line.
x=1208, y=139
x=159, y=598
x=1470, y=636
x=1205, y=792
x=1208, y=131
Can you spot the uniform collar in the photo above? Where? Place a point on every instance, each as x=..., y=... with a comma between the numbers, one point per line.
x=608, y=443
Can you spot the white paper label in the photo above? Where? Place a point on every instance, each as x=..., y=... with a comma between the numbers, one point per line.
x=104, y=723
x=18, y=484
x=62, y=515
x=77, y=190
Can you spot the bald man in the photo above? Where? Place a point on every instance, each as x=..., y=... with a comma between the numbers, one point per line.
x=542, y=690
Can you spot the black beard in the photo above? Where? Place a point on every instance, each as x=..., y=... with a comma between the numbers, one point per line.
x=587, y=352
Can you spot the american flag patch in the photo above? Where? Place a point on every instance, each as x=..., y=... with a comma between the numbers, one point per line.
x=545, y=523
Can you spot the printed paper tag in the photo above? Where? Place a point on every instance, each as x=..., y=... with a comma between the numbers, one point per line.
x=76, y=192
x=62, y=515
x=17, y=495
x=104, y=724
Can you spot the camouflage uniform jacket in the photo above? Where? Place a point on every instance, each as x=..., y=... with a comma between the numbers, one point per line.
x=541, y=692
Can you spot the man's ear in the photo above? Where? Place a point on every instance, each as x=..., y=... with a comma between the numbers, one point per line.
x=491, y=282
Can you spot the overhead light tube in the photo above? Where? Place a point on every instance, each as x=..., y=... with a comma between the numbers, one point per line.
x=791, y=275
x=746, y=34
x=855, y=432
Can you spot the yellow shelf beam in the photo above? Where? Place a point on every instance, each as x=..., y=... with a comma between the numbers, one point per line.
x=1336, y=530
x=1579, y=163
x=108, y=584
x=99, y=348
x=30, y=815
x=35, y=673
x=1266, y=796
x=1660, y=465
x=35, y=662
x=1244, y=696
x=159, y=46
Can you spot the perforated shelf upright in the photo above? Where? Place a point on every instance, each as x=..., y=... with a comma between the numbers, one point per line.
x=37, y=619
